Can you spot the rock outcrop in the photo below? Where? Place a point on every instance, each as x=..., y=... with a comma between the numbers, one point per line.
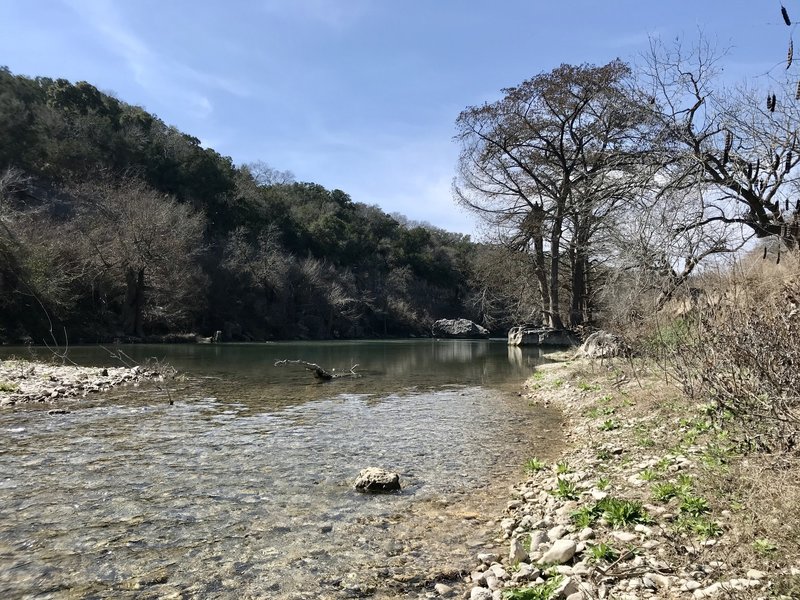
x=459, y=329
x=540, y=336
x=602, y=344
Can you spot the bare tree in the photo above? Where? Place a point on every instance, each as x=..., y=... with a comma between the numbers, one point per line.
x=149, y=242
x=265, y=175
x=732, y=150
x=547, y=164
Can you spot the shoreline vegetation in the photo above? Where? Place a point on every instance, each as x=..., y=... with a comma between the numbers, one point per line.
x=649, y=499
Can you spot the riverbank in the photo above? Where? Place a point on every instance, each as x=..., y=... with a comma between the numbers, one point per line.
x=649, y=500
x=23, y=381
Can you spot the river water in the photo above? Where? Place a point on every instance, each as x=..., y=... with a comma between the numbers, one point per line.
x=242, y=488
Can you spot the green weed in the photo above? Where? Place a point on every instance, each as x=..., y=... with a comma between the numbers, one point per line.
x=588, y=387
x=698, y=525
x=565, y=490
x=534, y=465
x=7, y=386
x=544, y=591
x=764, y=546
x=602, y=551
x=609, y=425
x=648, y=475
x=694, y=505
x=603, y=454
x=584, y=517
x=621, y=513
x=664, y=492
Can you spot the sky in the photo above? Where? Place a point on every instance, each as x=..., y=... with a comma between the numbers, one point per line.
x=359, y=95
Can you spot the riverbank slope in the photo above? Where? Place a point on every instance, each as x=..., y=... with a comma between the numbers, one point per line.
x=648, y=500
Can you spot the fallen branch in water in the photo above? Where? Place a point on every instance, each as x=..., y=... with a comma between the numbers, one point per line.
x=318, y=371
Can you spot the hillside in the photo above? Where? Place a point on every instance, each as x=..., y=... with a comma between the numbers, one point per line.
x=114, y=225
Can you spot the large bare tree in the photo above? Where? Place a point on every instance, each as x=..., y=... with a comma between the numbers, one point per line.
x=148, y=242
x=548, y=164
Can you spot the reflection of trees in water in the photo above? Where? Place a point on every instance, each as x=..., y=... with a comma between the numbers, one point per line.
x=460, y=351
x=525, y=357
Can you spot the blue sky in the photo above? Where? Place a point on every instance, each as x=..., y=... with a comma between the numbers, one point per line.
x=360, y=95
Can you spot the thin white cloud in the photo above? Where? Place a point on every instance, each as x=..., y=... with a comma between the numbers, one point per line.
x=333, y=14
x=156, y=74
x=639, y=38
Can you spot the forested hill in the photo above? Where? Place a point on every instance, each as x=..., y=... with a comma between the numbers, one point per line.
x=116, y=225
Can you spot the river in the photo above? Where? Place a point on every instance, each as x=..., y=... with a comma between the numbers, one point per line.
x=242, y=487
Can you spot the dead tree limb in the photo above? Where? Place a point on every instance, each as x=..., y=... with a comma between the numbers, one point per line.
x=318, y=371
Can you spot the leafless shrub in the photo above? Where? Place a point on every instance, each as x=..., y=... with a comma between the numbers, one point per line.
x=740, y=350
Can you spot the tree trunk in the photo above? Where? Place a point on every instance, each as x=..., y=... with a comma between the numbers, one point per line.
x=554, y=318
x=540, y=269
x=579, y=260
x=134, y=302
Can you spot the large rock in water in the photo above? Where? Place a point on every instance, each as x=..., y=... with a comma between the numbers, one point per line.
x=458, y=328
x=540, y=336
x=373, y=479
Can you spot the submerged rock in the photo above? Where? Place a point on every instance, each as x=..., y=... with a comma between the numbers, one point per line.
x=373, y=479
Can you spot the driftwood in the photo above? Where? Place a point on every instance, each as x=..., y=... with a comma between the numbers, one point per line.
x=318, y=371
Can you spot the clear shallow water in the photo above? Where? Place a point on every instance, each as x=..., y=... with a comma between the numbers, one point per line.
x=242, y=488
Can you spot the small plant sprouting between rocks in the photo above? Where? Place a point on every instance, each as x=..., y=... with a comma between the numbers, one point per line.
x=534, y=465
x=7, y=386
x=648, y=475
x=603, y=483
x=694, y=505
x=666, y=491
x=565, y=490
x=700, y=526
x=764, y=546
x=609, y=425
x=622, y=513
x=583, y=517
x=603, y=551
x=599, y=411
x=604, y=454
x=562, y=468
x=615, y=511
x=543, y=591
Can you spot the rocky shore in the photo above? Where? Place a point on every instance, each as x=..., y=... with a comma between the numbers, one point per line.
x=23, y=381
x=632, y=510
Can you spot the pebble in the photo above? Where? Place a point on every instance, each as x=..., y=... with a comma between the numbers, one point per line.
x=624, y=536
x=499, y=571
x=480, y=593
x=561, y=552
x=556, y=533
x=443, y=590
x=517, y=552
